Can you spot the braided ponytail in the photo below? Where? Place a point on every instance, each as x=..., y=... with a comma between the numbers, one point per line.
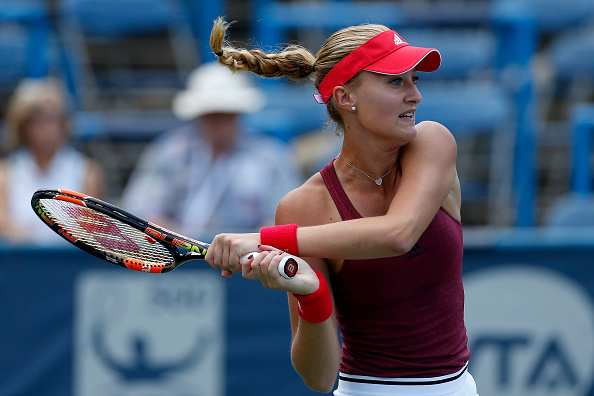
x=294, y=61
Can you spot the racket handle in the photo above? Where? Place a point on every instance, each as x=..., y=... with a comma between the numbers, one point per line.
x=287, y=267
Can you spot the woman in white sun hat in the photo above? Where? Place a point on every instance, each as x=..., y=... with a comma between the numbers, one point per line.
x=207, y=176
x=378, y=230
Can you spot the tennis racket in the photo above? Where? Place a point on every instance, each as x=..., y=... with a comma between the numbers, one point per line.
x=120, y=238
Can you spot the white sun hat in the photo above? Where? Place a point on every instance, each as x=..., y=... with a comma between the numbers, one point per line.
x=213, y=88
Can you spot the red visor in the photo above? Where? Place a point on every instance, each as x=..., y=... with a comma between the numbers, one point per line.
x=386, y=53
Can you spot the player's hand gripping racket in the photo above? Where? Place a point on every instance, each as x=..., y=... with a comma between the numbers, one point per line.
x=119, y=237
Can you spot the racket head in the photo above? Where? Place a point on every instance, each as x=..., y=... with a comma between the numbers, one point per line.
x=112, y=234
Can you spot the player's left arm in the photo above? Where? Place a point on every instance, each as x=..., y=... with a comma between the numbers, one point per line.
x=429, y=181
x=428, y=178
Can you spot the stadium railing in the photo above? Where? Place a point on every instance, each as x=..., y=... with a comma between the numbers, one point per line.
x=583, y=132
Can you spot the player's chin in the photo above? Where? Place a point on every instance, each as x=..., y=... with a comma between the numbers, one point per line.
x=407, y=131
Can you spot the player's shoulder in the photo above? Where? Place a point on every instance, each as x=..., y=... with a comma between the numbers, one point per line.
x=307, y=204
x=432, y=136
x=309, y=193
x=427, y=130
x=434, y=143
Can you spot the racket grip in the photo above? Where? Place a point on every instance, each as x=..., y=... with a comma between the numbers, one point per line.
x=287, y=267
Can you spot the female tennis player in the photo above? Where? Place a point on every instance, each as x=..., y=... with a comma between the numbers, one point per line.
x=378, y=230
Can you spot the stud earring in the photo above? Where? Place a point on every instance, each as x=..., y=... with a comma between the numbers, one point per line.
x=353, y=108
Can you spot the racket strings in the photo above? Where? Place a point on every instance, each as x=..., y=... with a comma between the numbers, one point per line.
x=107, y=234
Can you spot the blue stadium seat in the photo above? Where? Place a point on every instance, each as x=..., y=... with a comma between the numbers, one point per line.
x=114, y=19
x=572, y=210
x=576, y=209
x=551, y=15
x=123, y=126
x=563, y=102
x=466, y=52
x=202, y=13
x=517, y=34
x=85, y=22
x=468, y=109
x=274, y=19
x=24, y=42
x=290, y=111
x=571, y=57
x=464, y=93
x=13, y=58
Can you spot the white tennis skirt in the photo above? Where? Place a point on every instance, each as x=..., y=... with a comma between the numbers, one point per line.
x=459, y=383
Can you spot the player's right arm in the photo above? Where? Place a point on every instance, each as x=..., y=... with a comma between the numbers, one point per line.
x=315, y=349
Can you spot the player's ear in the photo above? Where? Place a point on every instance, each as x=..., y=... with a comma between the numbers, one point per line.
x=343, y=98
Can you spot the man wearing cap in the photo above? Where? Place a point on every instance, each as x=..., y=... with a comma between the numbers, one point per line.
x=208, y=176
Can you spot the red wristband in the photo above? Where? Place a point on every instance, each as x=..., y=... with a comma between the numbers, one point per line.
x=283, y=237
x=315, y=307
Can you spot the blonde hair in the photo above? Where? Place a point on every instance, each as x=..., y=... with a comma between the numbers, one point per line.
x=294, y=61
x=31, y=96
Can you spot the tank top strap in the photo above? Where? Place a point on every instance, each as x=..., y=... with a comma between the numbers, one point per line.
x=341, y=200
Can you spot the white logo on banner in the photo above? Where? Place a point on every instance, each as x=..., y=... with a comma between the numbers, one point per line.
x=139, y=334
x=531, y=332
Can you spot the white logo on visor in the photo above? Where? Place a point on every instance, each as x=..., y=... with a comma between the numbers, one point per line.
x=398, y=40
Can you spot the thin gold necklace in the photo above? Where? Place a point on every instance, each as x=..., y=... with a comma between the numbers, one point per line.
x=377, y=181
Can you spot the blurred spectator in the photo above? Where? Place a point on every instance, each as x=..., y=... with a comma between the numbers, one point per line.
x=38, y=154
x=208, y=176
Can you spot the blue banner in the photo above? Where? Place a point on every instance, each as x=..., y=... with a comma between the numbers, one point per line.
x=76, y=325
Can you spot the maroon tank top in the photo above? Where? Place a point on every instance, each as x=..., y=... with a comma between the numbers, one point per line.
x=402, y=316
